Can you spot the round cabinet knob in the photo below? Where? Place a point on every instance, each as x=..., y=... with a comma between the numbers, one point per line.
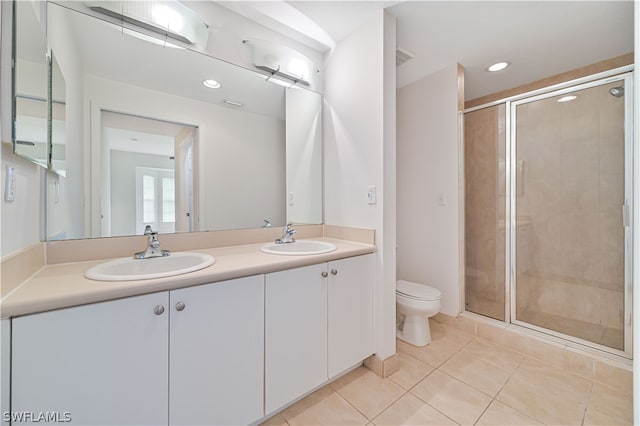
x=324, y=274
x=180, y=306
x=158, y=310
x=334, y=272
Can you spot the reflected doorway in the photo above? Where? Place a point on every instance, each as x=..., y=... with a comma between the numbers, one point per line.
x=147, y=175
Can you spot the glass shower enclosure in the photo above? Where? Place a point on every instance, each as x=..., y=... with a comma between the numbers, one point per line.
x=548, y=205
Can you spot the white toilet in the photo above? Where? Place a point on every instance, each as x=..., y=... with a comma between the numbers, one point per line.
x=416, y=303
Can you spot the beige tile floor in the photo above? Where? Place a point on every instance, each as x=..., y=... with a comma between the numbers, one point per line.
x=465, y=380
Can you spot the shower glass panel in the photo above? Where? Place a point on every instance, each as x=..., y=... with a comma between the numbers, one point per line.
x=569, y=187
x=485, y=138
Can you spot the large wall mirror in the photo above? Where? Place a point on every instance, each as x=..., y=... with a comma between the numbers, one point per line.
x=143, y=140
x=30, y=89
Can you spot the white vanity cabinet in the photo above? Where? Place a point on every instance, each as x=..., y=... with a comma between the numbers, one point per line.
x=216, y=360
x=350, y=307
x=188, y=356
x=295, y=334
x=104, y=363
x=318, y=323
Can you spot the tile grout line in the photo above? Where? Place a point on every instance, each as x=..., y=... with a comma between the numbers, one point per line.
x=420, y=381
x=495, y=397
x=586, y=405
x=359, y=411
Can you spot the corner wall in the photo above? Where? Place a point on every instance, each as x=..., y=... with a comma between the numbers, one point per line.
x=429, y=194
x=359, y=151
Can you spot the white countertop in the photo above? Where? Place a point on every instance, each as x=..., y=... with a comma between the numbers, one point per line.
x=64, y=285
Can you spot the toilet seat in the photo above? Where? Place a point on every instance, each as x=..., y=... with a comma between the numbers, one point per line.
x=417, y=291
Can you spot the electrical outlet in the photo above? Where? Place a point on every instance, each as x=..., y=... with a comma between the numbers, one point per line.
x=442, y=200
x=292, y=199
x=10, y=185
x=371, y=195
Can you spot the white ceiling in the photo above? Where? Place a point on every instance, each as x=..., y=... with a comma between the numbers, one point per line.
x=539, y=38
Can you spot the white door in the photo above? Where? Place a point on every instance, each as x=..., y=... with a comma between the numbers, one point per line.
x=350, y=312
x=104, y=363
x=295, y=334
x=216, y=353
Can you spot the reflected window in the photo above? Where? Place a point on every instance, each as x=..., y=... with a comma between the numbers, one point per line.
x=155, y=199
x=148, y=199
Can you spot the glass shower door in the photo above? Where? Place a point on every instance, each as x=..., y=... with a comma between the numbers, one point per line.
x=570, y=177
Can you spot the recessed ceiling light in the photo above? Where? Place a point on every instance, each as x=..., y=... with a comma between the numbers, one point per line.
x=498, y=66
x=567, y=98
x=212, y=84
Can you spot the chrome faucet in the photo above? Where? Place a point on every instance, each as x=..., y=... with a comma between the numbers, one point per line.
x=287, y=235
x=153, y=250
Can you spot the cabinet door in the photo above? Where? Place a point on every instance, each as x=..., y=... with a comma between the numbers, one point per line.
x=295, y=334
x=216, y=353
x=104, y=363
x=5, y=369
x=350, y=312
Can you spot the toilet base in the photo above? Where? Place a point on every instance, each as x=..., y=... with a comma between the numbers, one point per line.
x=415, y=330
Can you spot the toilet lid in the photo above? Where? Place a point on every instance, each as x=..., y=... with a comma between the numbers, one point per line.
x=417, y=291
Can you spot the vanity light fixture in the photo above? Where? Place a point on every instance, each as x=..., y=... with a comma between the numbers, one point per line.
x=498, y=66
x=212, y=84
x=278, y=73
x=566, y=98
x=165, y=20
x=233, y=103
x=286, y=66
x=146, y=25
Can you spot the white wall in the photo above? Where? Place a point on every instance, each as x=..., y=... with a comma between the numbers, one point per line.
x=238, y=153
x=20, y=218
x=428, y=150
x=359, y=146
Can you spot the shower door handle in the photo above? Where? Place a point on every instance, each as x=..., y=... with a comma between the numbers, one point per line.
x=626, y=216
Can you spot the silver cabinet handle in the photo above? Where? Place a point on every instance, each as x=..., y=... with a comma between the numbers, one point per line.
x=334, y=272
x=324, y=274
x=158, y=310
x=180, y=306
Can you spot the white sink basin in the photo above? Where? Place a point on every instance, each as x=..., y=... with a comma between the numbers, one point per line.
x=128, y=269
x=299, y=248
